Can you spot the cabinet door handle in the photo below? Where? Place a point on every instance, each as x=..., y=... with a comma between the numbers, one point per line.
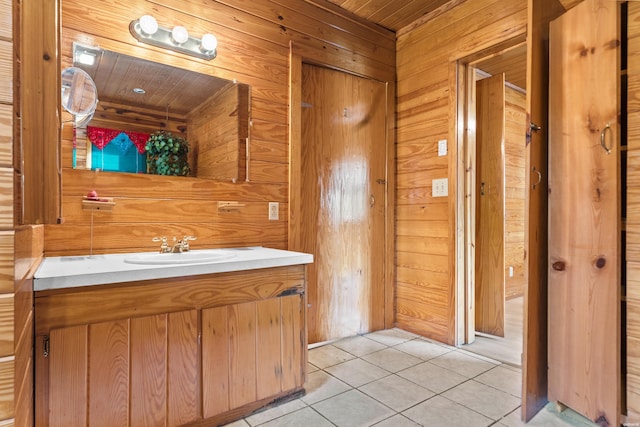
x=603, y=138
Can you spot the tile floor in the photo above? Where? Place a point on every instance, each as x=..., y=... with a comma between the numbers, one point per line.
x=393, y=378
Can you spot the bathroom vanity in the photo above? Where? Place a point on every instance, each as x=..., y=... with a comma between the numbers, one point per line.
x=131, y=340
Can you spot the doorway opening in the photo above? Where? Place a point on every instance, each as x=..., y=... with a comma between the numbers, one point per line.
x=493, y=104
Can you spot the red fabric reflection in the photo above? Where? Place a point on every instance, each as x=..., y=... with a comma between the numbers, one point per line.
x=100, y=137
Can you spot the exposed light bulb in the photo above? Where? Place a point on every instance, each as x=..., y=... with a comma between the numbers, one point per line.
x=179, y=34
x=148, y=24
x=209, y=43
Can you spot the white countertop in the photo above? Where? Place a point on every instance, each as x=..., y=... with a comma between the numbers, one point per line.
x=76, y=271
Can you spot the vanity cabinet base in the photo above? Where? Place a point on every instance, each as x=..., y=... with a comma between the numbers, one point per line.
x=207, y=365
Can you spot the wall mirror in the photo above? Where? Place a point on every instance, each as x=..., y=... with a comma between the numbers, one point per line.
x=139, y=99
x=79, y=94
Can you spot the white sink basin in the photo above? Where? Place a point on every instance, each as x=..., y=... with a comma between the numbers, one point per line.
x=191, y=257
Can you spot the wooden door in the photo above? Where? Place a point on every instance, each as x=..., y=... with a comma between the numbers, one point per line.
x=489, y=268
x=343, y=201
x=584, y=315
x=534, y=354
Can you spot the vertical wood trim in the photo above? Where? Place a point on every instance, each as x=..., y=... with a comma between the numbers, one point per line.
x=40, y=102
x=295, y=150
x=148, y=372
x=292, y=343
x=68, y=380
x=215, y=361
x=108, y=374
x=243, y=353
x=454, y=269
x=269, y=346
x=183, y=378
x=389, y=210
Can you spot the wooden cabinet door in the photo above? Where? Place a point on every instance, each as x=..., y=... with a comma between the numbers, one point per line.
x=251, y=351
x=130, y=372
x=584, y=263
x=489, y=269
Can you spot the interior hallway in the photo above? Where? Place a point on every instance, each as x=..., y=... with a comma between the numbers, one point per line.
x=393, y=378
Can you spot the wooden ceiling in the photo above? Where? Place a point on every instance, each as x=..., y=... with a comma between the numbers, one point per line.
x=391, y=14
x=402, y=16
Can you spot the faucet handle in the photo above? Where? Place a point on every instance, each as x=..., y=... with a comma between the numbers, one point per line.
x=185, y=242
x=164, y=246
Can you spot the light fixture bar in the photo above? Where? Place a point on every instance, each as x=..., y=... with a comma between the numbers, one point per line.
x=162, y=37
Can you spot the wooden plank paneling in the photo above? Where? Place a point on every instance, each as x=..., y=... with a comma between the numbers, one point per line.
x=160, y=296
x=425, y=96
x=293, y=342
x=6, y=135
x=148, y=400
x=108, y=374
x=254, y=32
x=183, y=376
x=242, y=354
x=215, y=361
x=269, y=343
x=68, y=382
x=7, y=314
x=7, y=389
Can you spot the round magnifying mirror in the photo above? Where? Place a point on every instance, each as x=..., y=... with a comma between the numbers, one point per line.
x=79, y=93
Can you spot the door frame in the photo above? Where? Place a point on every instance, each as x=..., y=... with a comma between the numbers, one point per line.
x=295, y=164
x=466, y=179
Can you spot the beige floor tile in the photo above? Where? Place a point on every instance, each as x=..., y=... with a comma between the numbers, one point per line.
x=462, y=364
x=391, y=337
x=320, y=386
x=503, y=378
x=397, y=421
x=357, y=372
x=311, y=368
x=432, y=377
x=441, y=412
x=328, y=355
x=396, y=392
x=486, y=400
x=276, y=412
x=353, y=409
x=359, y=345
x=423, y=349
x=392, y=360
x=306, y=417
x=548, y=417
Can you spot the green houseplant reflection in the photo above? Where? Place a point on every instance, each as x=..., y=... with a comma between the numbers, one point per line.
x=167, y=154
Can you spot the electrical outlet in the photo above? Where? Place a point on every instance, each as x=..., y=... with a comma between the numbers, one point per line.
x=440, y=187
x=274, y=211
x=510, y=271
x=442, y=147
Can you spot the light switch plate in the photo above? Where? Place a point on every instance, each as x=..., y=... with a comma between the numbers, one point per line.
x=274, y=211
x=442, y=147
x=440, y=187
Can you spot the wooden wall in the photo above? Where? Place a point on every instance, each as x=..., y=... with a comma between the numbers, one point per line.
x=426, y=113
x=514, y=151
x=633, y=215
x=254, y=47
x=20, y=248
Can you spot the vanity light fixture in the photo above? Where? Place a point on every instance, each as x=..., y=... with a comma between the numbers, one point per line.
x=147, y=30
